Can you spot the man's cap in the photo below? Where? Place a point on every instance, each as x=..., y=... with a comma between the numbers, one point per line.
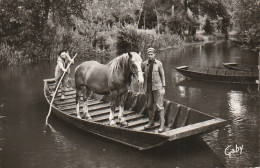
x=61, y=51
x=150, y=50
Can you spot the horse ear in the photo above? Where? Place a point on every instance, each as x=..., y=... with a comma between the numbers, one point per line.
x=130, y=55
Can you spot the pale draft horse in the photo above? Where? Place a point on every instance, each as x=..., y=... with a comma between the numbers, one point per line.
x=111, y=79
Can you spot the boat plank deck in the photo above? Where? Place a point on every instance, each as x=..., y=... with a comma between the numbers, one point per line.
x=152, y=129
x=68, y=106
x=142, y=121
x=104, y=119
x=90, y=108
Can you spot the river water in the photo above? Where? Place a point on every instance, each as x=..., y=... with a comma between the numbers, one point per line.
x=23, y=109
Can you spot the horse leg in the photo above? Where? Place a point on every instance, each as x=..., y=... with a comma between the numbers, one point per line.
x=78, y=93
x=122, y=120
x=112, y=110
x=86, y=92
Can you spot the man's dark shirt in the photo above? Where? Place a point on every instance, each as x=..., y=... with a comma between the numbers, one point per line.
x=149, y=77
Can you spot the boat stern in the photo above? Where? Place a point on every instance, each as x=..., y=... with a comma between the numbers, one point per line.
x=182, y=68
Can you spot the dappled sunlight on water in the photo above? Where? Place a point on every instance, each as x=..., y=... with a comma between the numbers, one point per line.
x=182, y=91
x=236, y=104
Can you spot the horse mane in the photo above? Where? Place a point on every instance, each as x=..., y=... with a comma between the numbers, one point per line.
x=118, y=63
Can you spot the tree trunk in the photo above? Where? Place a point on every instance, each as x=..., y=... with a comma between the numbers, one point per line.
x=144, y=19
x=157, y=16
x=46, y=6
x=185, y=3
x=259, y=73
x=172, y=10
x=140, y=12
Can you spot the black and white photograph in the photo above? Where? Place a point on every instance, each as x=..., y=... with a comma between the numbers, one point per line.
x=129, y=83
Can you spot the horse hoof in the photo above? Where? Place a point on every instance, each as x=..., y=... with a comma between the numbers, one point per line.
x=88, y=118
x=112, y=123
x=123, y=123
x=62, y=97
x=78, y=116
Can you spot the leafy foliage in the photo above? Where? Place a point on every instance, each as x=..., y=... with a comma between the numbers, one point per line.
x=99, y=29
x=24, y=23
x=132, y=39
x=246, y=18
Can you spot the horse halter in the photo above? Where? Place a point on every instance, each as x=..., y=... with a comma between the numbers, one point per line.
x=131, y=69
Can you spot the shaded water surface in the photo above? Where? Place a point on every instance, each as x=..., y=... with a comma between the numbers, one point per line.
x=23, y=143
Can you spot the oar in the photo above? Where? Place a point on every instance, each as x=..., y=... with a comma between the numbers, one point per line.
x=57, y=88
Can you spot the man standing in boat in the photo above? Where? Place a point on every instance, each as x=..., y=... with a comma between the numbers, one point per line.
x=62, y=63
x=154, y=87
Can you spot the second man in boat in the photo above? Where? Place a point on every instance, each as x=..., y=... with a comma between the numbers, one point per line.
x=62, y=63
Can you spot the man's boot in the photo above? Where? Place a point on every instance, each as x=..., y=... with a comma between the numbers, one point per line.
x=161, y=129
x=149, y=125
x=151, y=119
x=162, y=121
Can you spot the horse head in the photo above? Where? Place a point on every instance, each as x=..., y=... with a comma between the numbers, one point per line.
x=135, y=64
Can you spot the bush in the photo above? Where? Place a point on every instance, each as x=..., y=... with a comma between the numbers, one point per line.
x=128, y=40
x=132, y=39
x=88, y=45
x=9, y=56
x=198, y=38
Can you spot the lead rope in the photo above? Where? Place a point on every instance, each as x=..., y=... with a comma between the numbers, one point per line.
x=139, y=88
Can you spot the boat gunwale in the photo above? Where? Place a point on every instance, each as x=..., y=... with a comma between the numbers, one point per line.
x=235, y=66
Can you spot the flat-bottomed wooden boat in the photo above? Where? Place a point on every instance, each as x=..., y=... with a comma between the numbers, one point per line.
x=181, y=121
x=218, y=75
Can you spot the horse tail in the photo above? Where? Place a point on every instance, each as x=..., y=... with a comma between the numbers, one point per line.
x=77, y=78
x=79, y=82
x=77, y=85
x=76, y=69
x=78, y=92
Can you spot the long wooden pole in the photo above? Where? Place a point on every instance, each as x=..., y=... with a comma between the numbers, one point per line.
x=57, y=88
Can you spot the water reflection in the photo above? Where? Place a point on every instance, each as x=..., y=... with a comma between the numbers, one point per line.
x=25, y=145
x=182, y=91
x=235, y=103
x=81, y=149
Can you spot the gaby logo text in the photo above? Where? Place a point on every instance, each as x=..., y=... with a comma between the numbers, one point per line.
x=231, y=151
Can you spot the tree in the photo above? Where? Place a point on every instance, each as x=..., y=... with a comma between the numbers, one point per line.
x=186, y=14
x=209, y=29
x=246, y=18
x=24, y=22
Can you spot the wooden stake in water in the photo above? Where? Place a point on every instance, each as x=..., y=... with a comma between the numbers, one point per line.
x=259, y=72
x=57, y=88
